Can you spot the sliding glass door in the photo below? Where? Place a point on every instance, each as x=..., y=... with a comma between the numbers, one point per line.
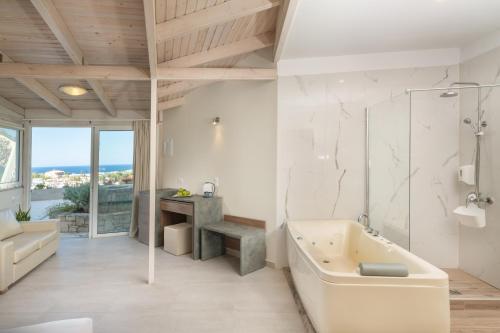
x=112, y=180
x=83, y=177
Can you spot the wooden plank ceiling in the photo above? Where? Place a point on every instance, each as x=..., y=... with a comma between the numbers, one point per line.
x=188, y=33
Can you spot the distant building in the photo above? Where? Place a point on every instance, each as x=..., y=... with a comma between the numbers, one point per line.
x=54, y=174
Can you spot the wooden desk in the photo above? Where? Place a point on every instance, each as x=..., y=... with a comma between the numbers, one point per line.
x=195, y=210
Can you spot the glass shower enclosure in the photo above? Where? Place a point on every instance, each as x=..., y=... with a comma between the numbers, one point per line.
x=388, y=159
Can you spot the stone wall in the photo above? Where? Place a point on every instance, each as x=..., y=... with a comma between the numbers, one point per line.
x=114, y=212
x=107, y=223
x=74, y=223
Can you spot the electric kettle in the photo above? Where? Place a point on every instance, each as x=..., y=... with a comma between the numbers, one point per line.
x=208, y=189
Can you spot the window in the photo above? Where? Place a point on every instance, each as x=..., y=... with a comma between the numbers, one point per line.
x=10, y=143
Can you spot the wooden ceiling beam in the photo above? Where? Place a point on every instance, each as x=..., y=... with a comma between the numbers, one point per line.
x=150, y=20
x=11, y=106
x=77, y=72
x=56, y=23
x=130, y=73
x=173, y=103
x=216, y=74
x=45, y=94
x=225, y=12
x=181, y=87
x=38, y=88
x=244, y=46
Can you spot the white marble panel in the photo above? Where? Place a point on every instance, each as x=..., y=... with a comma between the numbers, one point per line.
x=480, y=248
x=434, y=186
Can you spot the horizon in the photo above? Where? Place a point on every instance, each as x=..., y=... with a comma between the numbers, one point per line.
x=74, y=166
x=82, y=169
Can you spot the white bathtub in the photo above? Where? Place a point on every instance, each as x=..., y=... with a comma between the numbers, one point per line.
x=323, y=258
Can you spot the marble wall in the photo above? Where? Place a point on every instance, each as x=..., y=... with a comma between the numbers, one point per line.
x=389, y=156
x=480, y=248
x=434, y=192
x=321, y=149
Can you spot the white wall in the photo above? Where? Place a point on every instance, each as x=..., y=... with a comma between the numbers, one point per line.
x=10, y=198
x=241, y=151
x=321, y=147
x=480, y=248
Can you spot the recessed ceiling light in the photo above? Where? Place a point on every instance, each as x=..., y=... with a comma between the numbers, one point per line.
x=73, y=90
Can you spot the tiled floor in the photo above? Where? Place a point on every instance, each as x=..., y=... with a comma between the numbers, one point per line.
x=105, y=279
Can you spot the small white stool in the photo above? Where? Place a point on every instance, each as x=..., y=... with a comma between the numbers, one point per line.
x=178, y=238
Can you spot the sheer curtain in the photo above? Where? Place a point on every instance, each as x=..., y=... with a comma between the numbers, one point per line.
x=141, y=167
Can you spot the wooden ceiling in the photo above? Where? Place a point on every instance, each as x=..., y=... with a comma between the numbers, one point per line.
x=182, y=34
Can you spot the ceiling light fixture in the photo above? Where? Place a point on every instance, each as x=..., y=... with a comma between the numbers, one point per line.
x=216, y=121
x=73, y=90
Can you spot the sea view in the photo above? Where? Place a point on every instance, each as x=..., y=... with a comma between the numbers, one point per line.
x=83, y=169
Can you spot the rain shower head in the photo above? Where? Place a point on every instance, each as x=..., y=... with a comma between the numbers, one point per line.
x=449, y=93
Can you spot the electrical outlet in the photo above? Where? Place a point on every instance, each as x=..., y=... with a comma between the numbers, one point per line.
x=216, y=181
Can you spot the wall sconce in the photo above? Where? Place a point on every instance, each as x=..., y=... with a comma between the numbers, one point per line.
x=216, y=121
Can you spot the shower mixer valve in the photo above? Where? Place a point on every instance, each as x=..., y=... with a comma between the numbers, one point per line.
x=475, y=198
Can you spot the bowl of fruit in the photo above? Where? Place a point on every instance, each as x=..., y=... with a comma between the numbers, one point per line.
x=182, y=193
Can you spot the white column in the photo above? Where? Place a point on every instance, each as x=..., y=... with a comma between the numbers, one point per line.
x=26, y=165
x=152, y=182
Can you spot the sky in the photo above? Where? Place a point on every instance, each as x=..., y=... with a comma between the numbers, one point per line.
x=71, y=147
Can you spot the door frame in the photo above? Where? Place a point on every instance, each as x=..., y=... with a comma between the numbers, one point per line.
x=94, y=177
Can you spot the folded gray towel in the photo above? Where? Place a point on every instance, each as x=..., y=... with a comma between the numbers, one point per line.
x=383, y=269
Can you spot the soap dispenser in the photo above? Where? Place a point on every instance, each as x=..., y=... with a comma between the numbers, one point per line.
x=466, y=174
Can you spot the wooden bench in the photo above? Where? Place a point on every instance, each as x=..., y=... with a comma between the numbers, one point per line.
x=250, y=234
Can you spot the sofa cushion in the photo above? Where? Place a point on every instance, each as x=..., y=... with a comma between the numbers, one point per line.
x=29, y=242
x=8, y=225
x=47, y=236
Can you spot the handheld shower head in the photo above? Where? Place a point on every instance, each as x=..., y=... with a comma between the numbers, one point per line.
x=449, y=93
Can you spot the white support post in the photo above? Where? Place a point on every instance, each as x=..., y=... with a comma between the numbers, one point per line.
x=26, y=165
x=152, y=181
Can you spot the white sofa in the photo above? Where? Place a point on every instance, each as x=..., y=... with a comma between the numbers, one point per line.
x=23, y=246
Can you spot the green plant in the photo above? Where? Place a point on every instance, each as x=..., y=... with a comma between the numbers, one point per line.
x=79, y=200
x=23, y=215
x=79, y=197
x=59, y=209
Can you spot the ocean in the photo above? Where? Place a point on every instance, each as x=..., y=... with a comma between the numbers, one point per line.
x=83, y=169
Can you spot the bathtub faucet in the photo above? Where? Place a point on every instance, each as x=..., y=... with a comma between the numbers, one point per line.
x=363, y=219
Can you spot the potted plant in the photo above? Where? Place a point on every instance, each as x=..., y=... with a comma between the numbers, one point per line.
x=23, y=215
